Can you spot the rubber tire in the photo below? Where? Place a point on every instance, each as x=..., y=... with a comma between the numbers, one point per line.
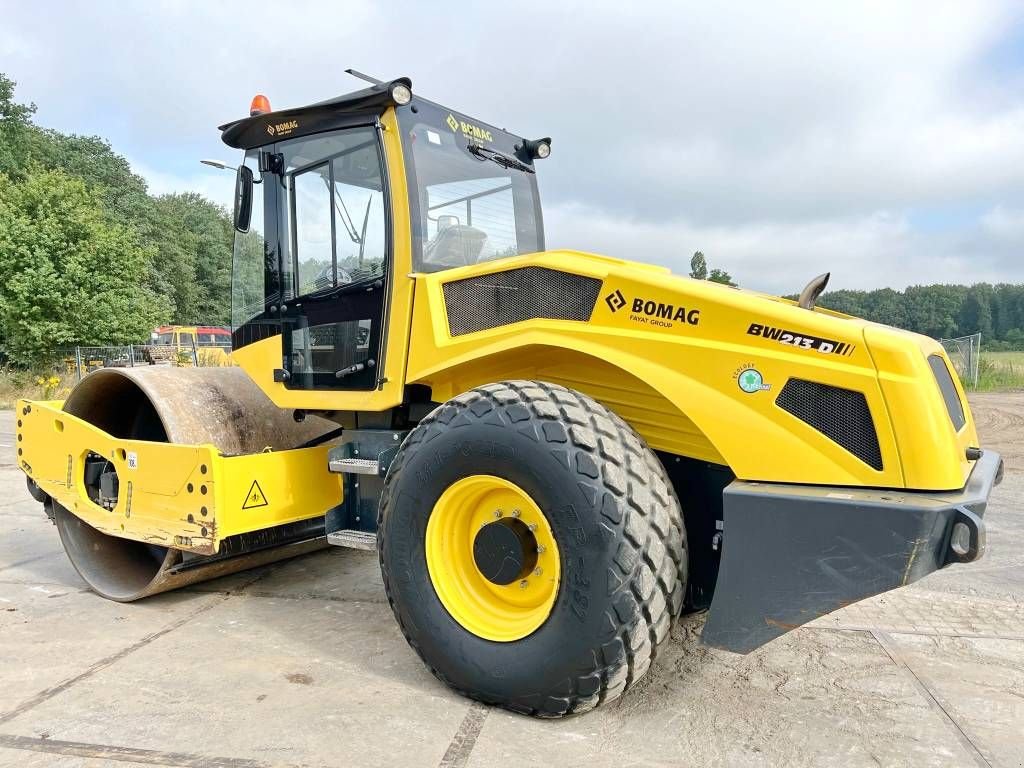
x=616, y=520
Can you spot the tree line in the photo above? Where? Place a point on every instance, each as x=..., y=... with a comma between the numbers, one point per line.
x=942, y=311
x=939, y=311
x=87, y=256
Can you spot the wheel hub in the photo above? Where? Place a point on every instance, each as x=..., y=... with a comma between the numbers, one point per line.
x=505, y=551
x=492, y=558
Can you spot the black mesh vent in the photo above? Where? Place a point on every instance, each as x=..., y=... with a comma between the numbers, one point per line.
x=528, y=293
x=948, y=389
x=842, y=415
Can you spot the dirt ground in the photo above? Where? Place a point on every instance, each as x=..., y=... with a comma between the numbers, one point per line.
x=302, y=664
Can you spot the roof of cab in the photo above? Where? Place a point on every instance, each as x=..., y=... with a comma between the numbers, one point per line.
x=263, y=129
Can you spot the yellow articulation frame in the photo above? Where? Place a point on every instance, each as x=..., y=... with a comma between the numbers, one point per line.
x=188, y=497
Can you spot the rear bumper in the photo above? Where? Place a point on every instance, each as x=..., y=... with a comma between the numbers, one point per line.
x=792, y=553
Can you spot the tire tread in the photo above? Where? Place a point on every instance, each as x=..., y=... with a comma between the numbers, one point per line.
x=611, y=462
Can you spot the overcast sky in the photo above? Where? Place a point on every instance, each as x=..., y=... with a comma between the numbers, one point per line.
x=881, y=141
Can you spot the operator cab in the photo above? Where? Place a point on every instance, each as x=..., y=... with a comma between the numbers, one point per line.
x=321, y=199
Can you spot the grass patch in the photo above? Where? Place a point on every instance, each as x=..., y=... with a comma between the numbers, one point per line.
x=1000, y=371
x=42, y=384
x=1004, y=358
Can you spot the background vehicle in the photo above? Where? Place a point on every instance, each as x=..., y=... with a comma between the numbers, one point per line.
x=553, y=452
x=210, y=345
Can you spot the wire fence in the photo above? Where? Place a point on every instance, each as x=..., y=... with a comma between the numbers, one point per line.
x=965, y=354
x=76, y=362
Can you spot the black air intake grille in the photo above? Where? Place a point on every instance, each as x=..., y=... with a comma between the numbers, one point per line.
x=842, y=415
x=528, y=293
x=945, y=381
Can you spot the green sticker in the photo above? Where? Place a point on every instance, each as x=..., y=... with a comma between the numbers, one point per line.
x=751, y=381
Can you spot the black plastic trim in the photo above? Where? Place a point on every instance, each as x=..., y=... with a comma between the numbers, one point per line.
x=792, y=553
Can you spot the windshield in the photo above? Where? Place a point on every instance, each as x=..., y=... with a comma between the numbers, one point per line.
x=465, y=207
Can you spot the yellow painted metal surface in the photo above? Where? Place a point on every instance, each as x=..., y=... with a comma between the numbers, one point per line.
x=188, y=497
x=499, y=612
x=667, y=354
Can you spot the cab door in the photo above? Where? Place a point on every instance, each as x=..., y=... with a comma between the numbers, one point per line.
x=336, y=288
x=334, y=272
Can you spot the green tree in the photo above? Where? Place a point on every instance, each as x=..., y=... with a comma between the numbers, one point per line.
x=698, y=267
x=70, y=275
x=721, y=276
x=193, y=262
x=15, y=127
x=976, y=311
x=92, y=159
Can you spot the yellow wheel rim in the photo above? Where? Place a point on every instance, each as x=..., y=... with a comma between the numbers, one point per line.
x=493, y=611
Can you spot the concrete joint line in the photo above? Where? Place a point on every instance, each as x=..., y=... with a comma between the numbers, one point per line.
x=124, y=754
x=27, y=560
x=934, y=700
x=102, y=664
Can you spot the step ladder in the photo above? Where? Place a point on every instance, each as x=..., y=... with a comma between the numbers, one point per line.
x=353, y=539
x=354, y=466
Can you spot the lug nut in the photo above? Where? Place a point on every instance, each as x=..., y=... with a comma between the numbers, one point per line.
x=540, y=549
x=516, y=513
x=538, y=571
x=498, y=513
x=532, y=527
x=523, y=583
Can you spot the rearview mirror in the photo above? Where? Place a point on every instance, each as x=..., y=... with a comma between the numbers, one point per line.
x=243, y=198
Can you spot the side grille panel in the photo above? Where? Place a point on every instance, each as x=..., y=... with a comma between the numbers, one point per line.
x=842, y=415
x=528, y=293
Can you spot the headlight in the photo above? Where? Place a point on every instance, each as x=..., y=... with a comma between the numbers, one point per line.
x=538, y=148
x=401, y=94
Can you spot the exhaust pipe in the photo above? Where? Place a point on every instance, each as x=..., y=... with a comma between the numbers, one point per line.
x=219, y=406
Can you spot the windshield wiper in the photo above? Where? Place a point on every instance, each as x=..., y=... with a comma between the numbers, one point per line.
x=505, y=161
x=370, y=282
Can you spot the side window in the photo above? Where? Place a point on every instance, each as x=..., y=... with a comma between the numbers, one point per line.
x=312, y=196
x=359, y=232
x=185, y=339
x=337, y=212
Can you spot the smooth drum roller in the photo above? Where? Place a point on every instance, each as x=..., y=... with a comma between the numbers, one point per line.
x=193, y=406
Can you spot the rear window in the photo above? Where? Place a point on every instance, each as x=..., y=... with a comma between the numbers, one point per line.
x=945, y=381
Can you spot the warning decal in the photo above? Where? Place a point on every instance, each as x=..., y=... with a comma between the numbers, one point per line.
x=255, y=498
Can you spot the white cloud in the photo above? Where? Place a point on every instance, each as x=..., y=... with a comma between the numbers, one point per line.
x=214, y=184
x=780, y=138
x=778, y=257
x=1005, y=224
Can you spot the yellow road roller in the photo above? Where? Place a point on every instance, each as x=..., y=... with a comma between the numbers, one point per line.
x=554, y=453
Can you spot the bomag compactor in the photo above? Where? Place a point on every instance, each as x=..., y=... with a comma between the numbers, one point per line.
x=553, y=453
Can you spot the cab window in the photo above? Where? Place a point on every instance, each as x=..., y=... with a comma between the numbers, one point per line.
x=337, y=210
x=465, y=208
